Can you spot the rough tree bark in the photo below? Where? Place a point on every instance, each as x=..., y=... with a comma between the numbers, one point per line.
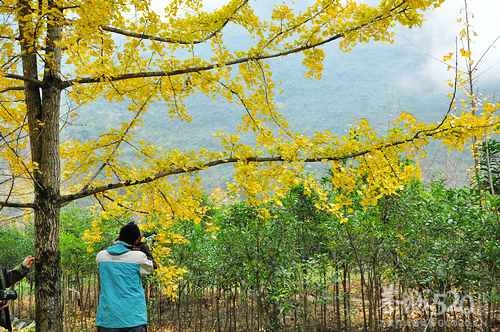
x=43, y=104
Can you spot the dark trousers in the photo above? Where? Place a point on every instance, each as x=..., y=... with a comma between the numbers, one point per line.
x=142, y=328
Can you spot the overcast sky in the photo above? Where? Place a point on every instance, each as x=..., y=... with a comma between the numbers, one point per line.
x=441, y=27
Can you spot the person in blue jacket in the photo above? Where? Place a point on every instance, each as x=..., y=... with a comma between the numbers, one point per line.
x=122, y=303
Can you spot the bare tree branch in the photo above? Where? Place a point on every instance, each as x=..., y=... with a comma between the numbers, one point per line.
x=454, y=94
x=9, y=37
x=12, y=88
x=124, y=206
x=12, y=182
x=17, y=205
x=481, y=58
x=68, y=7
x=242, y=101
x=22, y=78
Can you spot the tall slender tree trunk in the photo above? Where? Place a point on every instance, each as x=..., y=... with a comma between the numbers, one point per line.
x=49, y=309
x=43, y=107
x=337, y=299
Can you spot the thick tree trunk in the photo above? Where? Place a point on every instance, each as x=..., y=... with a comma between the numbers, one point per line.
x=43, y=121
x=49, y=308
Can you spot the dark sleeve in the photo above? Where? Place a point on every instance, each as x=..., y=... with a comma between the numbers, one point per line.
x=16, y=274
x=145, y=249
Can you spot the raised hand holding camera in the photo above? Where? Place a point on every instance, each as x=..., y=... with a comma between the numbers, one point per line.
x=8, y=295
x=28, y=262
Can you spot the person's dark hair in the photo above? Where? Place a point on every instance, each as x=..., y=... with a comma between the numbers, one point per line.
x=129, y=233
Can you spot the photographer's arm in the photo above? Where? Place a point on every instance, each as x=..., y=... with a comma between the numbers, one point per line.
x=145, y=249
x=147, y=266
x=19, y=272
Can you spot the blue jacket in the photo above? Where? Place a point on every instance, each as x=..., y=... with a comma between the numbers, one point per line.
x=121, y=296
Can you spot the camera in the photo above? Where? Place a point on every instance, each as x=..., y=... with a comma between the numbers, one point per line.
x=8, y=295
x=149, y=236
